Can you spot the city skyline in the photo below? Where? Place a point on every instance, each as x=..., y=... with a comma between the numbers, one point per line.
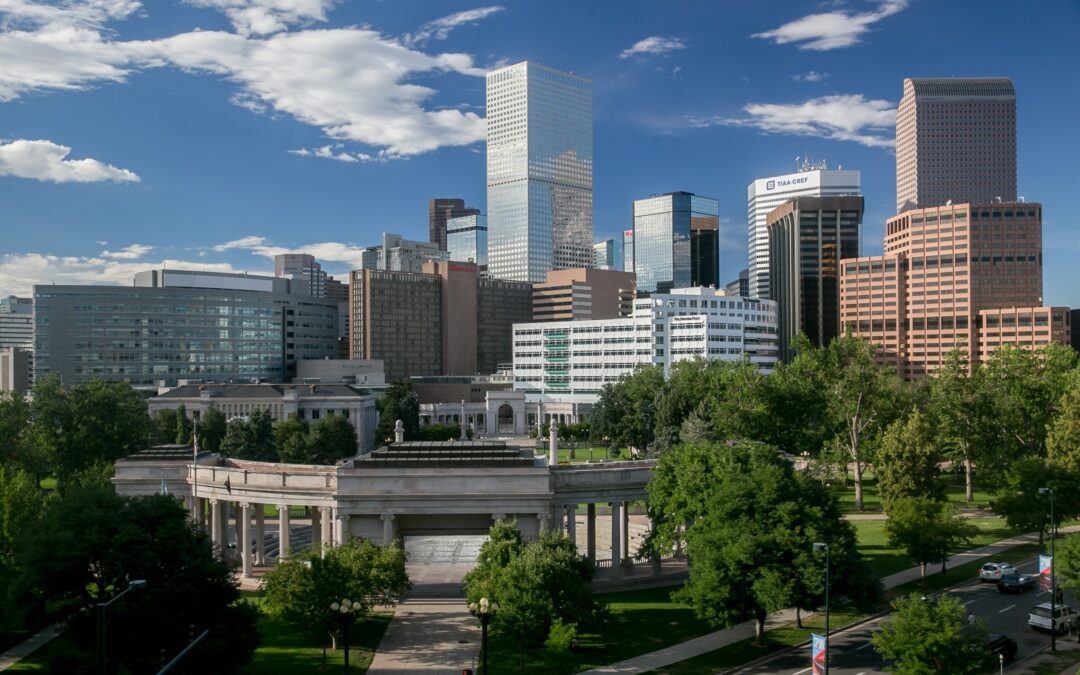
x=183, y=168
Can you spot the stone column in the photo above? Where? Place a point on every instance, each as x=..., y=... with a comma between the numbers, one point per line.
x=283, y=531
x=545, y=519
x=260, y=534
x=387, y=528
x=244, y=544
x=571, y=524
x=553, y=444
x=399, y=432
x=326, y=521
x=616, y=538
x=498, y=517
x=342, y=521
x=463, y=437
x=590, y=531
x=627, y=553
x=216, y=528
x=316, y=525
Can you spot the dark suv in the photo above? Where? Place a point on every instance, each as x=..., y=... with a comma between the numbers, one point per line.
x=1002, y=645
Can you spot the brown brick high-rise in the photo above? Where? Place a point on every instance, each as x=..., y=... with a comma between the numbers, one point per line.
x=441, y=210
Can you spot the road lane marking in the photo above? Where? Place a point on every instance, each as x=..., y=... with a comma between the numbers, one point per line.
x=970, y=601
x=863, y=646
x=800, y=672
x=862, y=673
x=1002, y=611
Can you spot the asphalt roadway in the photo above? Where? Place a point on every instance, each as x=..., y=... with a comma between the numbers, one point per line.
x=1005, y=613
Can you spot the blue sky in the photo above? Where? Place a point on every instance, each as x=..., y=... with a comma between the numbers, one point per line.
x=218, y=132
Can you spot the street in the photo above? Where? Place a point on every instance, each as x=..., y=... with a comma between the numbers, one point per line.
x=852, y=653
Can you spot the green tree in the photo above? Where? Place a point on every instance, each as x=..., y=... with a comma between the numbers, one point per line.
x=625, y=412
x=1063, y=436
x=796, y=419
x=182, y=435
x=330, y=439
x=960, y=408
x=751, y=520
x=251, y=439
x=398, y=402
x=16, y=450
x=862, y=397
x=108, y=541
x=907, y=461
x=504, y=543
x=1024, y=507
x=291, y=438
x=1067, y=561
x=22, y=504
x=931, y=636
x=163, y=426
x=212, y=425
x=926, y=529
x=301, y=588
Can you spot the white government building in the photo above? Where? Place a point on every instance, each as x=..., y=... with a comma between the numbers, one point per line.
x=569, y=361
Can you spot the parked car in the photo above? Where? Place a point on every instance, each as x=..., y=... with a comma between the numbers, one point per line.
x=1002, y=645
x=994, y=571
x=1016, y=583
x=1065, y=617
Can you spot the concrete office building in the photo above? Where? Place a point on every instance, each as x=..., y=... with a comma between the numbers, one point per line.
x=440, y=212
x=808, y=237
x=397, y=254
x=569, y=361
x=676, y=242
x=539, y=171
x=628, y=250
x=955, y=142
x=173, y=326
x=608, y=255
x=765, y=194
x=305, y=272
x=446, y=320
x=15, y=369
x=341, y=371
x=584, y=293
x=740, y=285
x=16, y=322
x=467, y=239
x=309, y=402
x=960, y=275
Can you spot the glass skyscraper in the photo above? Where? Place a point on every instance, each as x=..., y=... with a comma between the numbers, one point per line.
x=539, y=171
x=676, y=242
x=467, y=239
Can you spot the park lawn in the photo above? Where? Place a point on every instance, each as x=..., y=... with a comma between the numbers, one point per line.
x=286, y=648
x=590, y=454
x=640, y=622
x=953, y=485
x=885, y=560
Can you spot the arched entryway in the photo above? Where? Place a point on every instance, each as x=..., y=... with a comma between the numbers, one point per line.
x=506, y=419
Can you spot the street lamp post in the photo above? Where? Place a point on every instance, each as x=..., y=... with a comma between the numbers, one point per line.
x=1053, y=571
x=484, y=610
x=818, y=547
x=345, y=611
x=102, y=658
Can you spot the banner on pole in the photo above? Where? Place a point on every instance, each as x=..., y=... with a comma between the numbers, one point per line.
x=817, y=653
x=1046, y=565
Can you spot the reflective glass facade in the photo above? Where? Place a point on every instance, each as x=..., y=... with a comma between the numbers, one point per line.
x=467, y=239
x=676, y=242
x=539, y=171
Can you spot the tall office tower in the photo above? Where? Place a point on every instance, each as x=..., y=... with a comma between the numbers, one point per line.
x=628, y=250
x=765, y=194
x=467, y=239
x=808, y=237
x=955, y=142
x=676, y=242
x=440, y=211
x=608, y=254
x=960, y=275
x=539, y=171
x=303, y=270
x=397, y=254
x=16, y=322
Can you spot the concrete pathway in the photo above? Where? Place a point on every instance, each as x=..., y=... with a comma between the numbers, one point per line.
x=428, y=635
x=722, y=638
x=30, y=645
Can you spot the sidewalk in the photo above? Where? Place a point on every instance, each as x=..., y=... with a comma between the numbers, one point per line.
x=30, y=645
x=428, y=635
x=722, y=638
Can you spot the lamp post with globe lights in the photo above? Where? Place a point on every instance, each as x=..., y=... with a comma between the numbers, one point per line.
x=345, y=611
x=485, y=611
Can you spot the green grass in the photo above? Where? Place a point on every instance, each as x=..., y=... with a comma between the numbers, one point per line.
x=586, y=454
x=640, y=622
x=952, y=484
x=885, y=560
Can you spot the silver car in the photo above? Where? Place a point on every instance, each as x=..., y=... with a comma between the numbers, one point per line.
x=1065, y=617
x=994, y=571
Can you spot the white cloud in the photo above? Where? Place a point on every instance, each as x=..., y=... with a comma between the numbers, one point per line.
x=352, y=83
x=132, y=252
x=335, y=152
x=843, y=118
x=439, y=29
x=263, y=17
x=652, y=46
x=47, y=161
x=809, y=76
x=327, y=251
x=19, y=272
x=831, y=30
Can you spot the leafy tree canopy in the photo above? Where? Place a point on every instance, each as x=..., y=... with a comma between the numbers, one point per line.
x=927, y=637
x=927, y=529
x=398, y=402
x=907, y=461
